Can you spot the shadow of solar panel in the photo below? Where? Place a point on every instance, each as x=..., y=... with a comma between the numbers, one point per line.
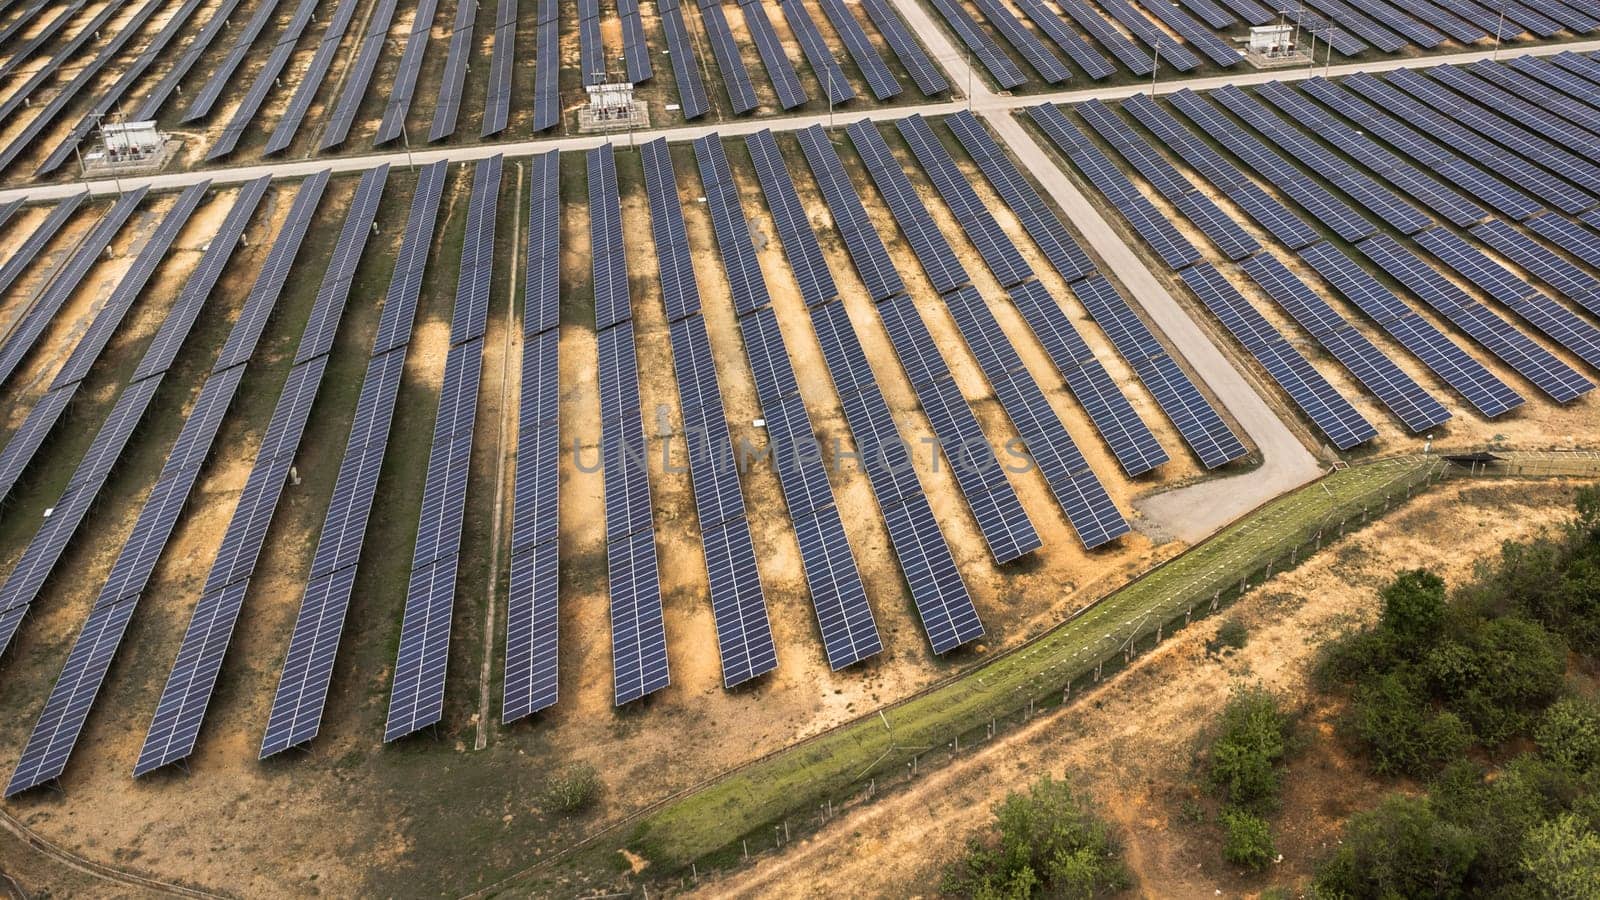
x=929, y=80
x=1330, y=412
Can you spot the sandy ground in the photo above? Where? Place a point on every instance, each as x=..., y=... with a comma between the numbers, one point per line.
x=1131, y=743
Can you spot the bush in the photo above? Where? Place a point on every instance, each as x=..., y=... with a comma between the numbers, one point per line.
x=574, y=788
x=1247, y=839
x=1402, y=733
x=1048, y=840
x=1400, y=849
x=1496, y=674
x=1561, y=858
x=1253, y=739
x=1413, y=609
x=1568, y=734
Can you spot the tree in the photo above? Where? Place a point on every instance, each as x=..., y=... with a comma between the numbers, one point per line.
x=1400, y=849
x=1400, y=729
x=1252, y=741
x=1247, y=839
x=1561, y=857
x=1049, y=840
x=1414, y=608
x=1568, y=734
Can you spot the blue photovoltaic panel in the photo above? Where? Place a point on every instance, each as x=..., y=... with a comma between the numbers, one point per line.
x=1368, y=30
x=405, y=80
x=1397, y=390
x=1172, y=53
x=454, y=80
x=497, y=104
x=1000, y=67
x=222, y=75
x=1156, y=229
x=547, y=76
x=861, y=238
x=996, y=248
x=1029, y=47
x=36, y=240
x=1503, y=197
x=1506, y=103
x=1076, y=48
x=1559, y=323
x=1210, y=13
x=1400, y=23
x=1121, y=46
x=310, y=80
x=1570, y=236
x=938, y=259
x=638, y=636
x=1554, y=76
x=1569, y=280
x=873, y=68
x=1529, y=359
x=794, y=226
x=679, y=291
x=779, y=69
x=1330, y=412
x=1557, y=103
x=1199, y=36
x=835, y=89
x=685, y=64
x=356, y=79
x=591, y=52
x=297, y=707
x=611, y=298
x=929, y=80
x=1488, y=394
x=741, y=93
x=267, y=78
x=635, y=50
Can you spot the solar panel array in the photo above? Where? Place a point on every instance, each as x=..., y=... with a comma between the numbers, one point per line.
x=779, y=69
x=194, y=46
x=1196, y=420
x=24, y=443
x=497, y=104
x=189, y=685
x=1076, y=48
x=222, y=75
x=635, y=50
x=1570, y=236
x=40, y=37
x=533, y=601
x=937, y=590
x=844, y=619
x=929, y=80
x=547, y=67
x=982, y=47
x=1130, y=440
x=27, y=251
x=454, y=80
x=1528, y=115
x=404, y=89
x=1368, y=30
x=741, y=93
x=357, y=77
x=1027, y=45
x=1170, y=51
x=879, y=79
x=1569, y=280
x=591, y=52
x=108, y=99
x=834, y=86
x=1005, y=525
x=638, y=636
x=26, y=332
x=1573, y=111
x=685, y=63
x=267, y=77
x=417, y=698
x=23, y=93
x=1199, y=37
x=22, y=586
x=310, y=80
x=302, y=691
x=61, y=722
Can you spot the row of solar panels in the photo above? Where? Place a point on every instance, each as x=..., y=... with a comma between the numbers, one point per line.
x=1450, y=120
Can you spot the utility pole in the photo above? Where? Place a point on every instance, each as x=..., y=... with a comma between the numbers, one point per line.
x=1154, y=70
x=1499, y=30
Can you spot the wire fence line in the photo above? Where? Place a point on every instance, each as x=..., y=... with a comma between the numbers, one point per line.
x=758, y=806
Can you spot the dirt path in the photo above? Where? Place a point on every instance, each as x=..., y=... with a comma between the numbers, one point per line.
x=1131, y=742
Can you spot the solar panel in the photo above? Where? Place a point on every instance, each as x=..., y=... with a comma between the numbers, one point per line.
x=405, y=80
x=359, y=75
x=779, y=69
x=26, y=332
x=303, y=684
x=222, y=75
x=311, y=79
x=1515, y=137
x=454, y=80
x=1488, y=394
x=23, y=94
x=835, y=88
x=1570, y=236
x=1555, y=76
x=547, y=76
x=24, y=443
x=879, y=79
x=1171, y=52
x=1329, y=411
x=1456, y=27
x=929, y=80
x=1573, y=110
x=635, y=50
x=497, y=104
x=1569, y=280
x=1156, y=229
x=267, y=78
x=1399, y=22
x=29, y=249
x=1370, y=195
x=861, y=239
x=1199, y=36
x=1560, y=324
x=1024, y=42
x=999, y=66
x=1527, y=358
x=1503, y=197
x=1091, y=21
x=794, y=226
x=1210, y=13
x=1076, y=48
x=1424, y=188
x=685, y=63
x=1368, y=30
x=938, y=259
x=1567, y=14
x=1528, y=115
x=741, y=93
x=994, y=245
x=39, y=38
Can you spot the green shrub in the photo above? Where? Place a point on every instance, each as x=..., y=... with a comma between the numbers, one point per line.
x=574, y=788
x=1568, y=734
x=1400, y=849
x=1047, y=841
x=1561, y=858
x=1247, y=839
x=1402, y=733
x=1497, y=673
x=1252, y=740
x=1413, y=609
